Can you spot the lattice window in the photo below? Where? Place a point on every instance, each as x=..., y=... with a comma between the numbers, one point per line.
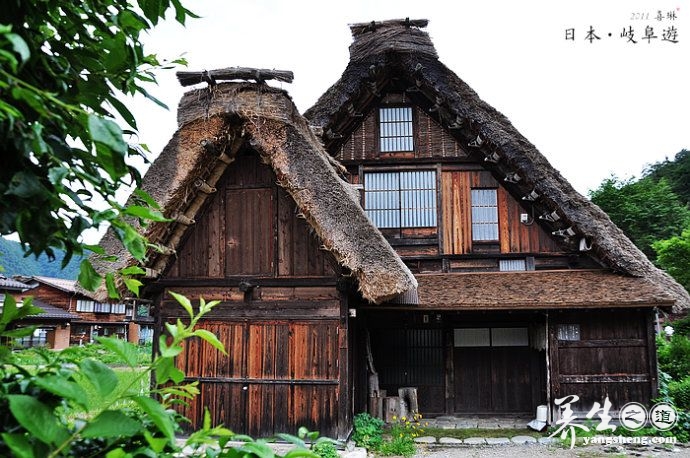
x=85, y=305
x=101, y=307
x=117, y=308
x=484, y=215
x=401, y=199
x=395, y=129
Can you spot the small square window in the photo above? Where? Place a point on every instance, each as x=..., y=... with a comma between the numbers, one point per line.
x=512, y=265
x=569, y=332
x=395, y=129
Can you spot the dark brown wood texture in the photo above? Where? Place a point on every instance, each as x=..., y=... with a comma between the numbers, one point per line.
x=514, y=237
x=430, y=141
x=278, y=375
x=250, y=228
x=612, y=358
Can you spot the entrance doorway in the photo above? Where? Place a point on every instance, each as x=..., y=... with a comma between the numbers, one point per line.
x=495, y=370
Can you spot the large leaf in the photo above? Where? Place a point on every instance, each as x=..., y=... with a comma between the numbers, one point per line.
x=145, y=213
x=107, y=133
x=166, y=370
x=103, y=378
x=158, y=415
x=88, y=277
x=125, y=350
x=37, y=418
x=210, y=338
x=184, y=302
x=19, y=444
x=112, y=423
x=110, y=285
x=64, y=388
x=19, y=46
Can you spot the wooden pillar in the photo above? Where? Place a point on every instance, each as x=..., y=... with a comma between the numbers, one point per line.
x=344, y=386
x=553, y=369
x=651, y=354
x=58, y=338
x=133, y=332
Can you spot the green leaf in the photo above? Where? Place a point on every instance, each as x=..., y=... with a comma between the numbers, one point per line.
x=301, y=453
x=133, y=285
x=184, y=302
x=19, y=444
x=132, y=270
x=63, y=388
x=113, y=293
x=146, y=197
x=103, y=379
x=37, y=419
x=210, y=338
x=9, y=310
x=112, y=423
x=291, y=439
x=19, y=332
x=107, y=133
x=134, y=243
x=156, y=443
x=117, y=453
x=261, y=450
x=158, y=415
x=168, y=351
x=19, y=46
x=145, y=213
x=88, y=277
x=123, y=349
x=166, y=370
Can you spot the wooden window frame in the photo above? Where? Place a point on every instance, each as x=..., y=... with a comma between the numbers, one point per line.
x=412, y=136
x=472, y=222
x=400, y=209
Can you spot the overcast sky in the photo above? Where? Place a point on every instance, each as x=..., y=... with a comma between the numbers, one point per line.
x=593, y=109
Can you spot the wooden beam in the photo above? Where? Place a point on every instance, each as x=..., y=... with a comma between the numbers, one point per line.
x=233, y=73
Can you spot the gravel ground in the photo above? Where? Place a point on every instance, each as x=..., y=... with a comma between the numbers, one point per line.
x=540, y=451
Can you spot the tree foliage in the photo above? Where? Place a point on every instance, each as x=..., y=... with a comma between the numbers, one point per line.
x=673, y=255
x=64, y=67
x=675, y=172
x=646, y=210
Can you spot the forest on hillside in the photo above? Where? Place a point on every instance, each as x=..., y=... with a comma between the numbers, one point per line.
x=15, y=262
x=654, y=211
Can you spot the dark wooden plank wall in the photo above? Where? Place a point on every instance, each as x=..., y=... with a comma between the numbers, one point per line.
x=278, y=375
x=250, y=228
x=611, y=358
x=514, y=237
x=430, y=140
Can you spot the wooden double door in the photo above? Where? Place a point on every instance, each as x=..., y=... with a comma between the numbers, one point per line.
x=495, y=370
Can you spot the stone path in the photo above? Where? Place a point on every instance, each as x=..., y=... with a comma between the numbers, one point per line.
x=451, y=441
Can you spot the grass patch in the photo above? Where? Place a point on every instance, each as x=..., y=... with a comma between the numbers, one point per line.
x=479, y=432
x=32, y=356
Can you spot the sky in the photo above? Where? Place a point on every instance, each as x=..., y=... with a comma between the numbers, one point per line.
x=593, y=107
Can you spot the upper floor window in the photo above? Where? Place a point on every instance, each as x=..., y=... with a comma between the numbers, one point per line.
x=401, y=199
x=85, y=305
x=484, y=215
x=395, y=129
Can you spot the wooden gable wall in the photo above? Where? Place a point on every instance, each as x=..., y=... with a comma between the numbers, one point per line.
x=514, y=236
x=250, y=228
x=431, y=140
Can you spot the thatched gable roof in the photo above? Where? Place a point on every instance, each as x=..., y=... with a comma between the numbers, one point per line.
x=214, y=124
x=398, y=54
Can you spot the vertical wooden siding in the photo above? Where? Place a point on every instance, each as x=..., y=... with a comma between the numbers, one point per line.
x=430, y=140
x=514, y=236
x=250, y=228
x=278, y=376
x=612, y=358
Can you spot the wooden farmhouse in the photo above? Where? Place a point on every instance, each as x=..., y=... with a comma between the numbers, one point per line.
x=401, y=233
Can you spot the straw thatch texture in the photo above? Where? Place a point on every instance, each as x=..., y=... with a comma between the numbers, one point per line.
x=266, y=120
x=375, y=60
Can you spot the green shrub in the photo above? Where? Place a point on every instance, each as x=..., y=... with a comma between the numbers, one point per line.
x=680, y=393
x=325, y=450
x=681, y=327
x=681, y=430
x=674, y=356
x=368, y=431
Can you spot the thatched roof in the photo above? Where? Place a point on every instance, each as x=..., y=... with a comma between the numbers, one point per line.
x=214, y=124
x=555, y=289
x=398, y=55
